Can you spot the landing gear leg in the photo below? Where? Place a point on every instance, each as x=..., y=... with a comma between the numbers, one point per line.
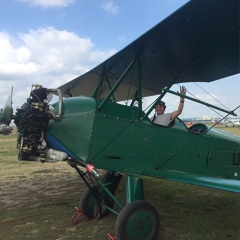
x=96, y=201
x=138, y=220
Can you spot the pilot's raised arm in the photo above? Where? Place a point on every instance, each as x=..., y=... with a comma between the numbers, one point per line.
x=163, y=118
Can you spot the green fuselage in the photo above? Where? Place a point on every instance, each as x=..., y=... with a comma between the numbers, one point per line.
x=115, y=138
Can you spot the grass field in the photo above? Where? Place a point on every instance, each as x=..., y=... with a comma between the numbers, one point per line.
x=38, y=200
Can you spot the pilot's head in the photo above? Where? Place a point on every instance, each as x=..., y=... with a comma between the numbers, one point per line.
x=161, y=103
x=160, y=107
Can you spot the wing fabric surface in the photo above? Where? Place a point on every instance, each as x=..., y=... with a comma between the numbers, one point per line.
x=197, y=43
x=212, y=182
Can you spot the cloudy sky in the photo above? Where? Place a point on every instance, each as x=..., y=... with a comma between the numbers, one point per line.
x=50, y=42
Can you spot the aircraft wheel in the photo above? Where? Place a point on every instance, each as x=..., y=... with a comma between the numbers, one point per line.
x=138, y=220
x=91, y=206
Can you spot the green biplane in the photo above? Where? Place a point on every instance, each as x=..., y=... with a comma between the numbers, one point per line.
x=89, y=129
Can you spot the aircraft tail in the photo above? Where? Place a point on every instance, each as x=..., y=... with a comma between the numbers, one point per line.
x=7, y=111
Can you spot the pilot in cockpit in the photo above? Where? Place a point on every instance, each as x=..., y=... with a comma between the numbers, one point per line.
x=165, y=119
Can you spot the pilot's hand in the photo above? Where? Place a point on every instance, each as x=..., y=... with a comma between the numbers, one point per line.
x=183, y=90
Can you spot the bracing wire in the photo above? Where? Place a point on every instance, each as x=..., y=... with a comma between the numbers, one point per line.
x=172, y=81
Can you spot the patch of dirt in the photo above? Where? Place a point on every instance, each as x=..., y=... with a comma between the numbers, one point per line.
x=32, y=185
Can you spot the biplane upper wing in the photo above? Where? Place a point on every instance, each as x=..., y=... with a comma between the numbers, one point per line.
x=197, y=43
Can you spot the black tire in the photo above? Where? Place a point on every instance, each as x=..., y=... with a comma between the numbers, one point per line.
x=138, y=220
x=91, y=206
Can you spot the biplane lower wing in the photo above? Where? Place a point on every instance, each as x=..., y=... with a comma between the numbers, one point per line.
x=212, y=182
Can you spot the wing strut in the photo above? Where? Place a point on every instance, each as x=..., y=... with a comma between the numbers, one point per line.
x=199, y=101
x=95, y=93
x=109, y=88
x=117, y=84
x=139, y=89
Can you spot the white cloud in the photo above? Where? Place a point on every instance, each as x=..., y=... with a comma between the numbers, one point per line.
x=46, y=56
x=110, y=7
x=49, y=3
x=51, y=57
x=14, y=60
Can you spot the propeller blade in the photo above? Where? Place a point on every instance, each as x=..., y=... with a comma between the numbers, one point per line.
x=6, y=114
